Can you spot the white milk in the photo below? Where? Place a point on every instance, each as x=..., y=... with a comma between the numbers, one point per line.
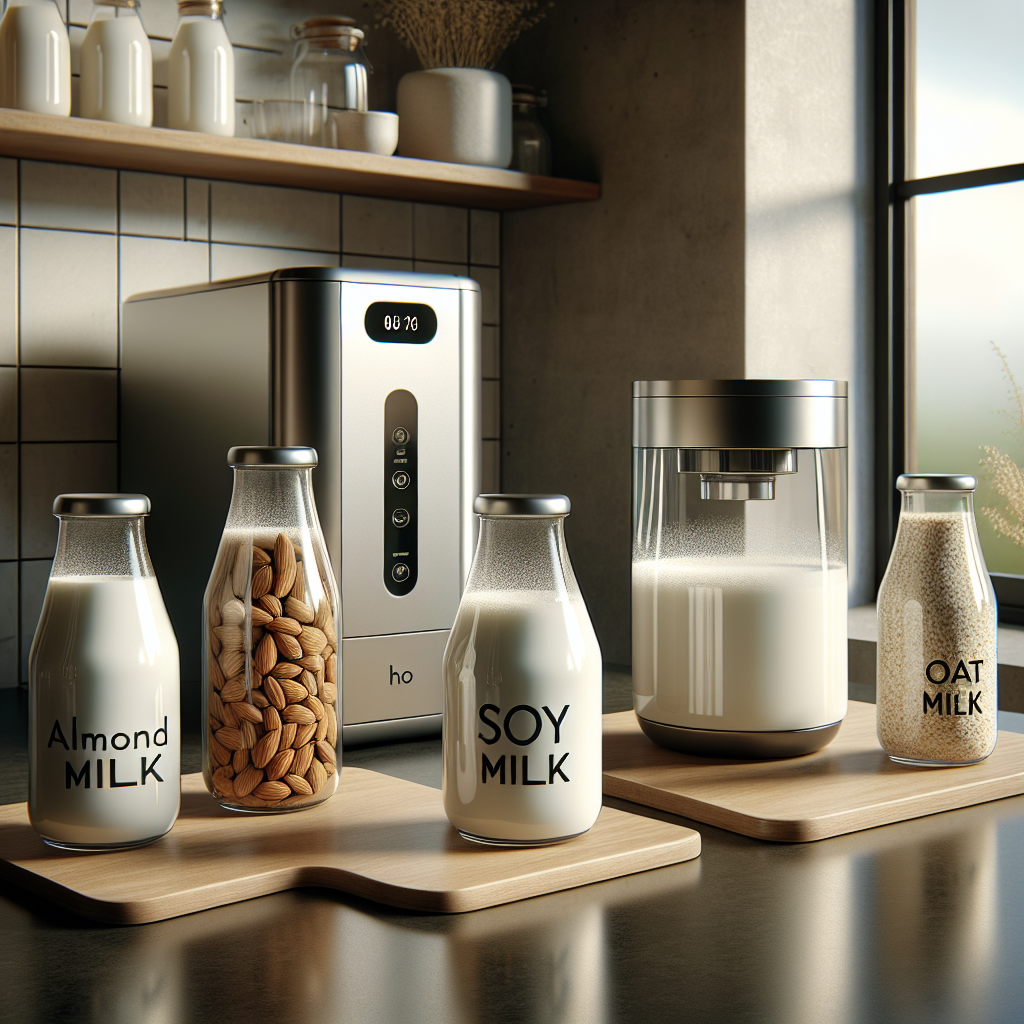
x=511, y=648
x=35, y=60
x=201, y=78
x=104, y=662
x=117, y=72
x=723, y=644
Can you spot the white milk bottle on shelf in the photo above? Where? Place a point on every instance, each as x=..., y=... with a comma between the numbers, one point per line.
x=201, y=71
x=116, y=82
x=104, y=732
x=35, y=58
x=522, y=684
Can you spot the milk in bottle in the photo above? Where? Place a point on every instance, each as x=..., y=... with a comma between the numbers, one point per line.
x=104, y=735
x=201, y=71
x=117, y=65
x=35, y=58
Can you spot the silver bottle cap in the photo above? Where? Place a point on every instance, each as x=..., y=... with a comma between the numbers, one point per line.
x=936, y=482
x=101, y=505
x=521, y=505
x=250, y=456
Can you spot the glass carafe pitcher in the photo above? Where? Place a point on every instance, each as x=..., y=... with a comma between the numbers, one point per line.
x=739, y=564
x=522, y=684
x=271, y=678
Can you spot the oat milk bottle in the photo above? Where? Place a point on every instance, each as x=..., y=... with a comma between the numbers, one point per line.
x=522, y=684
x=104, y=736
x=116, y=82
x=936, y=668
x=201, y=71
x=35, y=58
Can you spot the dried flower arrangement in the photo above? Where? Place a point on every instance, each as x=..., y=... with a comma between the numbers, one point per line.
x=1006, y=476
x=459, y=33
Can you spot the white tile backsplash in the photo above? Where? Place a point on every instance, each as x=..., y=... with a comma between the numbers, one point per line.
x=490, y=468
x=9, y=501
x=489, y=279
x=490, y=352
x=376, y=263
x=280, y=217
x=484, y=237
x=376, y=227
x=430, y=267
x=441, y=233
x=8, y=404
x=152, y=204
x=149, y=264
x=68, y=196
x=8, y=294
x=197, y=209
x=242, y=260
x=490, y=409
x=34, y=576
x=68, y=298
x=8, y=191
x=9, y=674
x=68, y=405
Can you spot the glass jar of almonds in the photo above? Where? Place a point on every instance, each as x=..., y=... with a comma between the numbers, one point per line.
x=271, y=680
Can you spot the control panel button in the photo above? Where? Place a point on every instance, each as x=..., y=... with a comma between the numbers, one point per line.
x=400, y=572
x=400, y=517
x=401, y=479
x=400, y=435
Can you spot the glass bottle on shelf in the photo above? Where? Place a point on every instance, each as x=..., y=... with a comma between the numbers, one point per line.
x=104, y=736
x=329, y=74
x=201, y=71
x=35, y=58
x=522, y=684
x=531, y=145
x=271, y=671
x=116, y=82
x=936, y=672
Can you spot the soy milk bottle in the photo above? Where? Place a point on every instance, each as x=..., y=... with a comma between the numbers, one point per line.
x=117, y=65
x=522, y=684
x=104, y=735
x=35, y=58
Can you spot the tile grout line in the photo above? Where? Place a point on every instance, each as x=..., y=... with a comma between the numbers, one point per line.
x=17, y=467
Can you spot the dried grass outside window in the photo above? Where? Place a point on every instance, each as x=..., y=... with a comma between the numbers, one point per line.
x=459, y=33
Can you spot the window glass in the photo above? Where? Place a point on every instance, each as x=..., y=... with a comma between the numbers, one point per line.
x=967, y=260
x=967, y=84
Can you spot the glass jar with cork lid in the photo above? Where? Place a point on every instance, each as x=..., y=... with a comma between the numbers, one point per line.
x=271, y=676
x=936, y=669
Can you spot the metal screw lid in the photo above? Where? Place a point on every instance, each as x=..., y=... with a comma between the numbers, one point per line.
x=101, y=505
x=521, y=505
x=250, y=456
x=936, y=482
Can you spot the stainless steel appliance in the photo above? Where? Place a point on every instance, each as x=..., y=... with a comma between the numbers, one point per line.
x=377, y=370
x=739, y=564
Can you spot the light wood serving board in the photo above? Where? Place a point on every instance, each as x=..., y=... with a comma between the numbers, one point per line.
x=850, y=785
x=378, y=837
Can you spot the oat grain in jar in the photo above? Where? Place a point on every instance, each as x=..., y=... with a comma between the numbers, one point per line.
x=271, y=680
x=937, y=694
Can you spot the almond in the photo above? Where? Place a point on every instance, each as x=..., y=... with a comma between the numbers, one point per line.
x=215, y=674
x=266, y=655
x=288, y=645
x=311, y=663
x=239, y=759
x=228, y=716
x=247, y=780
x=311, y=640
x=303, y=759
x=271, y=605
x=296, y=609
x=315, y=706
x=331, y=669
x=260, y=617
x=299, y=785
x=259, y=699
x=272, y=688
x=266, y=748
x=231, y=663
x=316, y=776
x=248, y=735
x=299, y=589
x=280, y=763
x=332, y=725
x=248, y=713
x=324, y=615
x=214, y=705
x=282, y=625
x=294, y=691
x=321, y=729
x=257, y=636
x=271, y=719
x=262, y=581
x=286, y=670
x=328, y=692
x=233, y=689
x=273, y=791
x=230, y=738
x=326, y=752
x=309, y=682
x=298, y=714
x=259, y=557
x=240, y=573
x=284, y=566
x=288, y=734
x=215, y=645
x=303, y=734
x=222, y=780
x=219, y=754
x=233, y=613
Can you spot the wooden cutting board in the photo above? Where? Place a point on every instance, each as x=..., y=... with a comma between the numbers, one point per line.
x=378, y=837
x=850, y=785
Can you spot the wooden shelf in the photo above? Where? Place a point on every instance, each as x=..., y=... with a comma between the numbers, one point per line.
x=104, y=144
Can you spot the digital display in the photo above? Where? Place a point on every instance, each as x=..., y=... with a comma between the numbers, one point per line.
x=409, y=323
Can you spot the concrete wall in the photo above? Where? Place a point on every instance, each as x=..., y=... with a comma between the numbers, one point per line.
x=732, y=144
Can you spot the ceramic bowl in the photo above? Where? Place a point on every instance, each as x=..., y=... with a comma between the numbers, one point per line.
x=370, y=131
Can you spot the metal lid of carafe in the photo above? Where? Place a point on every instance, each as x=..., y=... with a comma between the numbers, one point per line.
x=101, y=504
x=266, y=455
x=521, y=505
x=936, y=482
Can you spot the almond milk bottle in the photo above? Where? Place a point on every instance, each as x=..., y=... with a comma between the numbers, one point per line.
x=522, y=684
x=35, y=58
x=104, y=736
